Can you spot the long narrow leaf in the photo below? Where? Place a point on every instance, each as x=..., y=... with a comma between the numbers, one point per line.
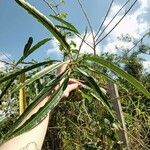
x=66, y=28
x=40, y=74
x=92, y=83
x=36, y=118
x=45, y=21
x=30, y=50
x=118, y=71
x=68, y=25
x=97, y=92
x=35, y=102
x=94, y=96
x=28, y=45
x=106, y=106
x=27, y=52
x=26, y=69
x=99, y=73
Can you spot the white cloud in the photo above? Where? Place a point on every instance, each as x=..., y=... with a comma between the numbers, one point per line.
x=3, y=58
x=133, y=24
x=2, y=65
x=54, y=51
x=144, y=4
x=84, y=49
x=146, y=65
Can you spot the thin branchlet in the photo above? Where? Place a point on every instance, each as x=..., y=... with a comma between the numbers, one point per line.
x=139, y=41
x=50, y=6
x=89, y=24
x=117, y=22
x=112, y=19
x=104, y=19
x=82, y=42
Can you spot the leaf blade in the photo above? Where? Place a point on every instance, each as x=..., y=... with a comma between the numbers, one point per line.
x=120, y=72
x=26, y=69
x=32, y=49
x=40, y=74
x=28, y=45
x=36, y=118
x=35, y=102
x=97, y=92
x=68, y=25
x=45, y=21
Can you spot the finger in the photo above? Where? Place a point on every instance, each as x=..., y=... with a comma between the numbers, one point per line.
x=61, y=69
x=70, y=88
x=71, y=81
x=65, y=94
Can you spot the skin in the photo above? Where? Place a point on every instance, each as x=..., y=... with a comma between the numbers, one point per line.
x=33, y=139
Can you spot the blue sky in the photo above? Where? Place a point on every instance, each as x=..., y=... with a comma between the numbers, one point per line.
x=17, y=25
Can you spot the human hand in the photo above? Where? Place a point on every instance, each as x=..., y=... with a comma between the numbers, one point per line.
x=73, y=84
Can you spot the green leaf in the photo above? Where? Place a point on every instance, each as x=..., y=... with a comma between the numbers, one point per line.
x=28, y=45
x=105, y=105
x=45, y=91
x=118, y=71
x=95, y=96
x=38, y=45
x=40, y=74
x=92, y=83
x=36, y=118
x=45, y=22
x=68, y=24
x=96, y=91
x=32, y=49
x=6, y=87
x=99, y=73
x=26, y=69
x=66, y=28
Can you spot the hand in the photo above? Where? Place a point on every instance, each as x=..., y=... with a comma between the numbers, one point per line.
x=72, y=85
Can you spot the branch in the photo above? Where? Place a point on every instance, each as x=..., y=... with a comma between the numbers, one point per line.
x=89, y=23
x=104, y=18
x=117, y=23
x=49, y=5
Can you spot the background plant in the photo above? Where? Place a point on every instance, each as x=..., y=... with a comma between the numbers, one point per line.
x=88, y=114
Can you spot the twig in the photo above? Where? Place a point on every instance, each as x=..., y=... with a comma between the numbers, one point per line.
x=89, y=23
x=86, y=16
x=5, y=62
x=82, y=43
x=113, y=19
x=56, y=6
x=49, y=5
x=6, y=56
x=104, y=18
x=117, y=23
x=138, y=41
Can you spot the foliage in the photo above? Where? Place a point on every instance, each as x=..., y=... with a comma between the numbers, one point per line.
x=86, y=120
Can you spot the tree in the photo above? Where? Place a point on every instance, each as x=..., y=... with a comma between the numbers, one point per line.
x=92, y=96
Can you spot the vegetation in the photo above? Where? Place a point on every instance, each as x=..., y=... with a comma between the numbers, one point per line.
x=86, y=119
